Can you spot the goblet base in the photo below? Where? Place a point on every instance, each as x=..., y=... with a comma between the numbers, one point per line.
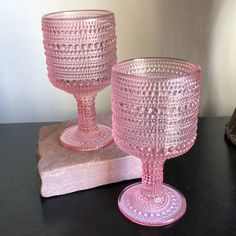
x=152, y=211
x=73, y=138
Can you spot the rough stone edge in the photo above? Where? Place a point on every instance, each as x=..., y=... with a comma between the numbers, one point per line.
x=127, y=161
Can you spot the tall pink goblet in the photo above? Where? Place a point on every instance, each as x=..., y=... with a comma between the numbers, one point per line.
x=80, y=48
x=155, y=105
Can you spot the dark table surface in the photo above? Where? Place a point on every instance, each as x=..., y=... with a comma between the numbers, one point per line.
x=206, y=176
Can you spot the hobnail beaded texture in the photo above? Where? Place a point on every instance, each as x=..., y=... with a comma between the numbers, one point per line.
x=155, y=104
x=80, y=49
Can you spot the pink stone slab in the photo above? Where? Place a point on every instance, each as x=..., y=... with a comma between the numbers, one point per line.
x=65, y=171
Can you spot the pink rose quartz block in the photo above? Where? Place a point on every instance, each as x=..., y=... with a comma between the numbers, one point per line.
x=65, y=171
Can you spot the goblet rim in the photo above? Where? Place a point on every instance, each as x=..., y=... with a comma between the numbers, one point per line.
x=196, y=70
x=52, y=15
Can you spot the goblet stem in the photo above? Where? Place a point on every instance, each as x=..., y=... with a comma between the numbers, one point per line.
x=152, y=179
x=152, y=202
x=86, y=112
x=87, y=135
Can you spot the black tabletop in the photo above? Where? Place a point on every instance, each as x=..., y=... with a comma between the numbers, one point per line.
x=206, y=175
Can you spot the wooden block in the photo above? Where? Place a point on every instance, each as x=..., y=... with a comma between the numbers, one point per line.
x=65, y=171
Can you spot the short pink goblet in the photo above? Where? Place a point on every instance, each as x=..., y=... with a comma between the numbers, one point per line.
x=80, y=48
x=155, y=105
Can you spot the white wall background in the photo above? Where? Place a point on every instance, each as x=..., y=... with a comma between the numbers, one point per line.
x=203, y=31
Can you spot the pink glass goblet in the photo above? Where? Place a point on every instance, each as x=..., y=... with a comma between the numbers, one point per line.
x=155, y=105
x=80, y=49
